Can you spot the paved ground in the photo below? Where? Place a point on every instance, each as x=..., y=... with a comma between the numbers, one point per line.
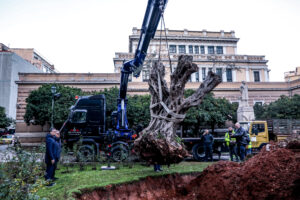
x=5, y=153
x=3, y=147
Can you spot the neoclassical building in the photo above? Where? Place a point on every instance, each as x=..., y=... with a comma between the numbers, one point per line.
x=215, y=51
x=210, y=50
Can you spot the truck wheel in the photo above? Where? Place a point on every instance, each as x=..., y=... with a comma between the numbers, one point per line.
x=85, y=153
x=119, y=153
x=198, y=152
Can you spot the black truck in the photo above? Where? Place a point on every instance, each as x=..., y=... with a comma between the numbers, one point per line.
x=86, y=127
x=194, y=144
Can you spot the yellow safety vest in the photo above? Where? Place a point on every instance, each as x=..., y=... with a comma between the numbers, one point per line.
x=228, y=138
x=249, y=146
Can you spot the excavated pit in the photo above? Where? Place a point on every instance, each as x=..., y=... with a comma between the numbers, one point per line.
x=273, y=174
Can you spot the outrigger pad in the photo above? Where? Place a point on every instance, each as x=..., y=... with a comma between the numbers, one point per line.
x=108, y=168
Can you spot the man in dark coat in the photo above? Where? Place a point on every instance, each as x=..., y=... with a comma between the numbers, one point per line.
x=51, y=152
x=241, y=140
x=58, y=151
x=208, y=141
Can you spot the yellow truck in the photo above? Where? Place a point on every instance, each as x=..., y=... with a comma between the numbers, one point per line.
x=262, y=132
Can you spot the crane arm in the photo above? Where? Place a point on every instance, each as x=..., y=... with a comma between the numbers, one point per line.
x=154, y=11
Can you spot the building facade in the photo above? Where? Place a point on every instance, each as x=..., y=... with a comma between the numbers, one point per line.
x=10, y=65
x=292, y=75
x=211, y=51
x=35, y=58
x=12, y=62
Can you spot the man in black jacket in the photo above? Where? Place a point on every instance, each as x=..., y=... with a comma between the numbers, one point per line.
x=208, y=141
x=58, y=151
x=51, y=153
x=241, y=140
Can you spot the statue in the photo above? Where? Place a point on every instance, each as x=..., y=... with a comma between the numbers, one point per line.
x=244, y=95
x=244, y=112
x=244, y=91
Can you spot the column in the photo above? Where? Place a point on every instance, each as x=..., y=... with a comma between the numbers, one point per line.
x=266, y=75
x=224, y=74
x=200, y=74
x=247, y=74
x=233, y=75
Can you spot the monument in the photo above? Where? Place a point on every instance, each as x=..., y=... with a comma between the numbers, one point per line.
x=244, y=112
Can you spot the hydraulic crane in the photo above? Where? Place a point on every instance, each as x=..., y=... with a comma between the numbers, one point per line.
x=154, y=12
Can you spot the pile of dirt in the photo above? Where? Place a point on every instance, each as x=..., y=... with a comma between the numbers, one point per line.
x=273, y=174
x=159, y=187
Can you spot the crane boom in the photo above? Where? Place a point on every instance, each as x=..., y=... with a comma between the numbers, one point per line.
x=154, y=11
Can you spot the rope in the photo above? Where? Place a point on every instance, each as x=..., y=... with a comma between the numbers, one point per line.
x=174, y=116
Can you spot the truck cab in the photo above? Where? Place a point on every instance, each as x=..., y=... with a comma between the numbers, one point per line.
x=86, y=117
x=259, y=134
x=262, y=132
x=86, y=128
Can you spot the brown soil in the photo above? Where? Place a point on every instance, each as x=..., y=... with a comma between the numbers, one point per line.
x=273, y=174
x=162, y=187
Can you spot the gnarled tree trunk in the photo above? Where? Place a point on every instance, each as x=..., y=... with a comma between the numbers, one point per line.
x=158, y=143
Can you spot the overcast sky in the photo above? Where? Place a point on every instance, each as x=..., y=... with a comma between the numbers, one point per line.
x=82, y=36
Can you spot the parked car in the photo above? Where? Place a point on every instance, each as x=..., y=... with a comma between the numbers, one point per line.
x=3, y=131
x=7, y=139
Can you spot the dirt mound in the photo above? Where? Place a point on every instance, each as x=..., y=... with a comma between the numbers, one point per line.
x=273, y=174
x=269, y=175
x=162, y=187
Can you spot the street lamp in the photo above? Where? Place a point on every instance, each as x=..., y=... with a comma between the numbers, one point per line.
x=53, y=91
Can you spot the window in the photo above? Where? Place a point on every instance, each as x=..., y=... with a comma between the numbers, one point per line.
x=79, y=116
x=219, y=50
x=258, y=128
x=219, y=72
x=172, y=49
x=210, y=69
x=196, y=49
x=260, y=103
x=202, y=49
x=229, y=75
x=146, y=74
x=203, y=74
x=190, y=49
x=211, y=50
x=197, y=76
x=256, y=76
x=181, y=49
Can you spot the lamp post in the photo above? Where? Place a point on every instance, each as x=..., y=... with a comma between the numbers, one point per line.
x=53, y=91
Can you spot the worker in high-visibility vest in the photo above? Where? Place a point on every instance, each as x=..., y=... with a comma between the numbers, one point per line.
x=231, y=144
x=249, y=146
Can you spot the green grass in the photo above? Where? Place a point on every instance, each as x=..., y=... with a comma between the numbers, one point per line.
x=68, y=183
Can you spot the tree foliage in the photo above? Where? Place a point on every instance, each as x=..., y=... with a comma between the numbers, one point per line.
x=210, y=113
x=138, y=111
x=38, y=109
x=4, y=120
x=283, y=108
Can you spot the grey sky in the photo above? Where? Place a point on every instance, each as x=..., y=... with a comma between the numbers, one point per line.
x=82, y=36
